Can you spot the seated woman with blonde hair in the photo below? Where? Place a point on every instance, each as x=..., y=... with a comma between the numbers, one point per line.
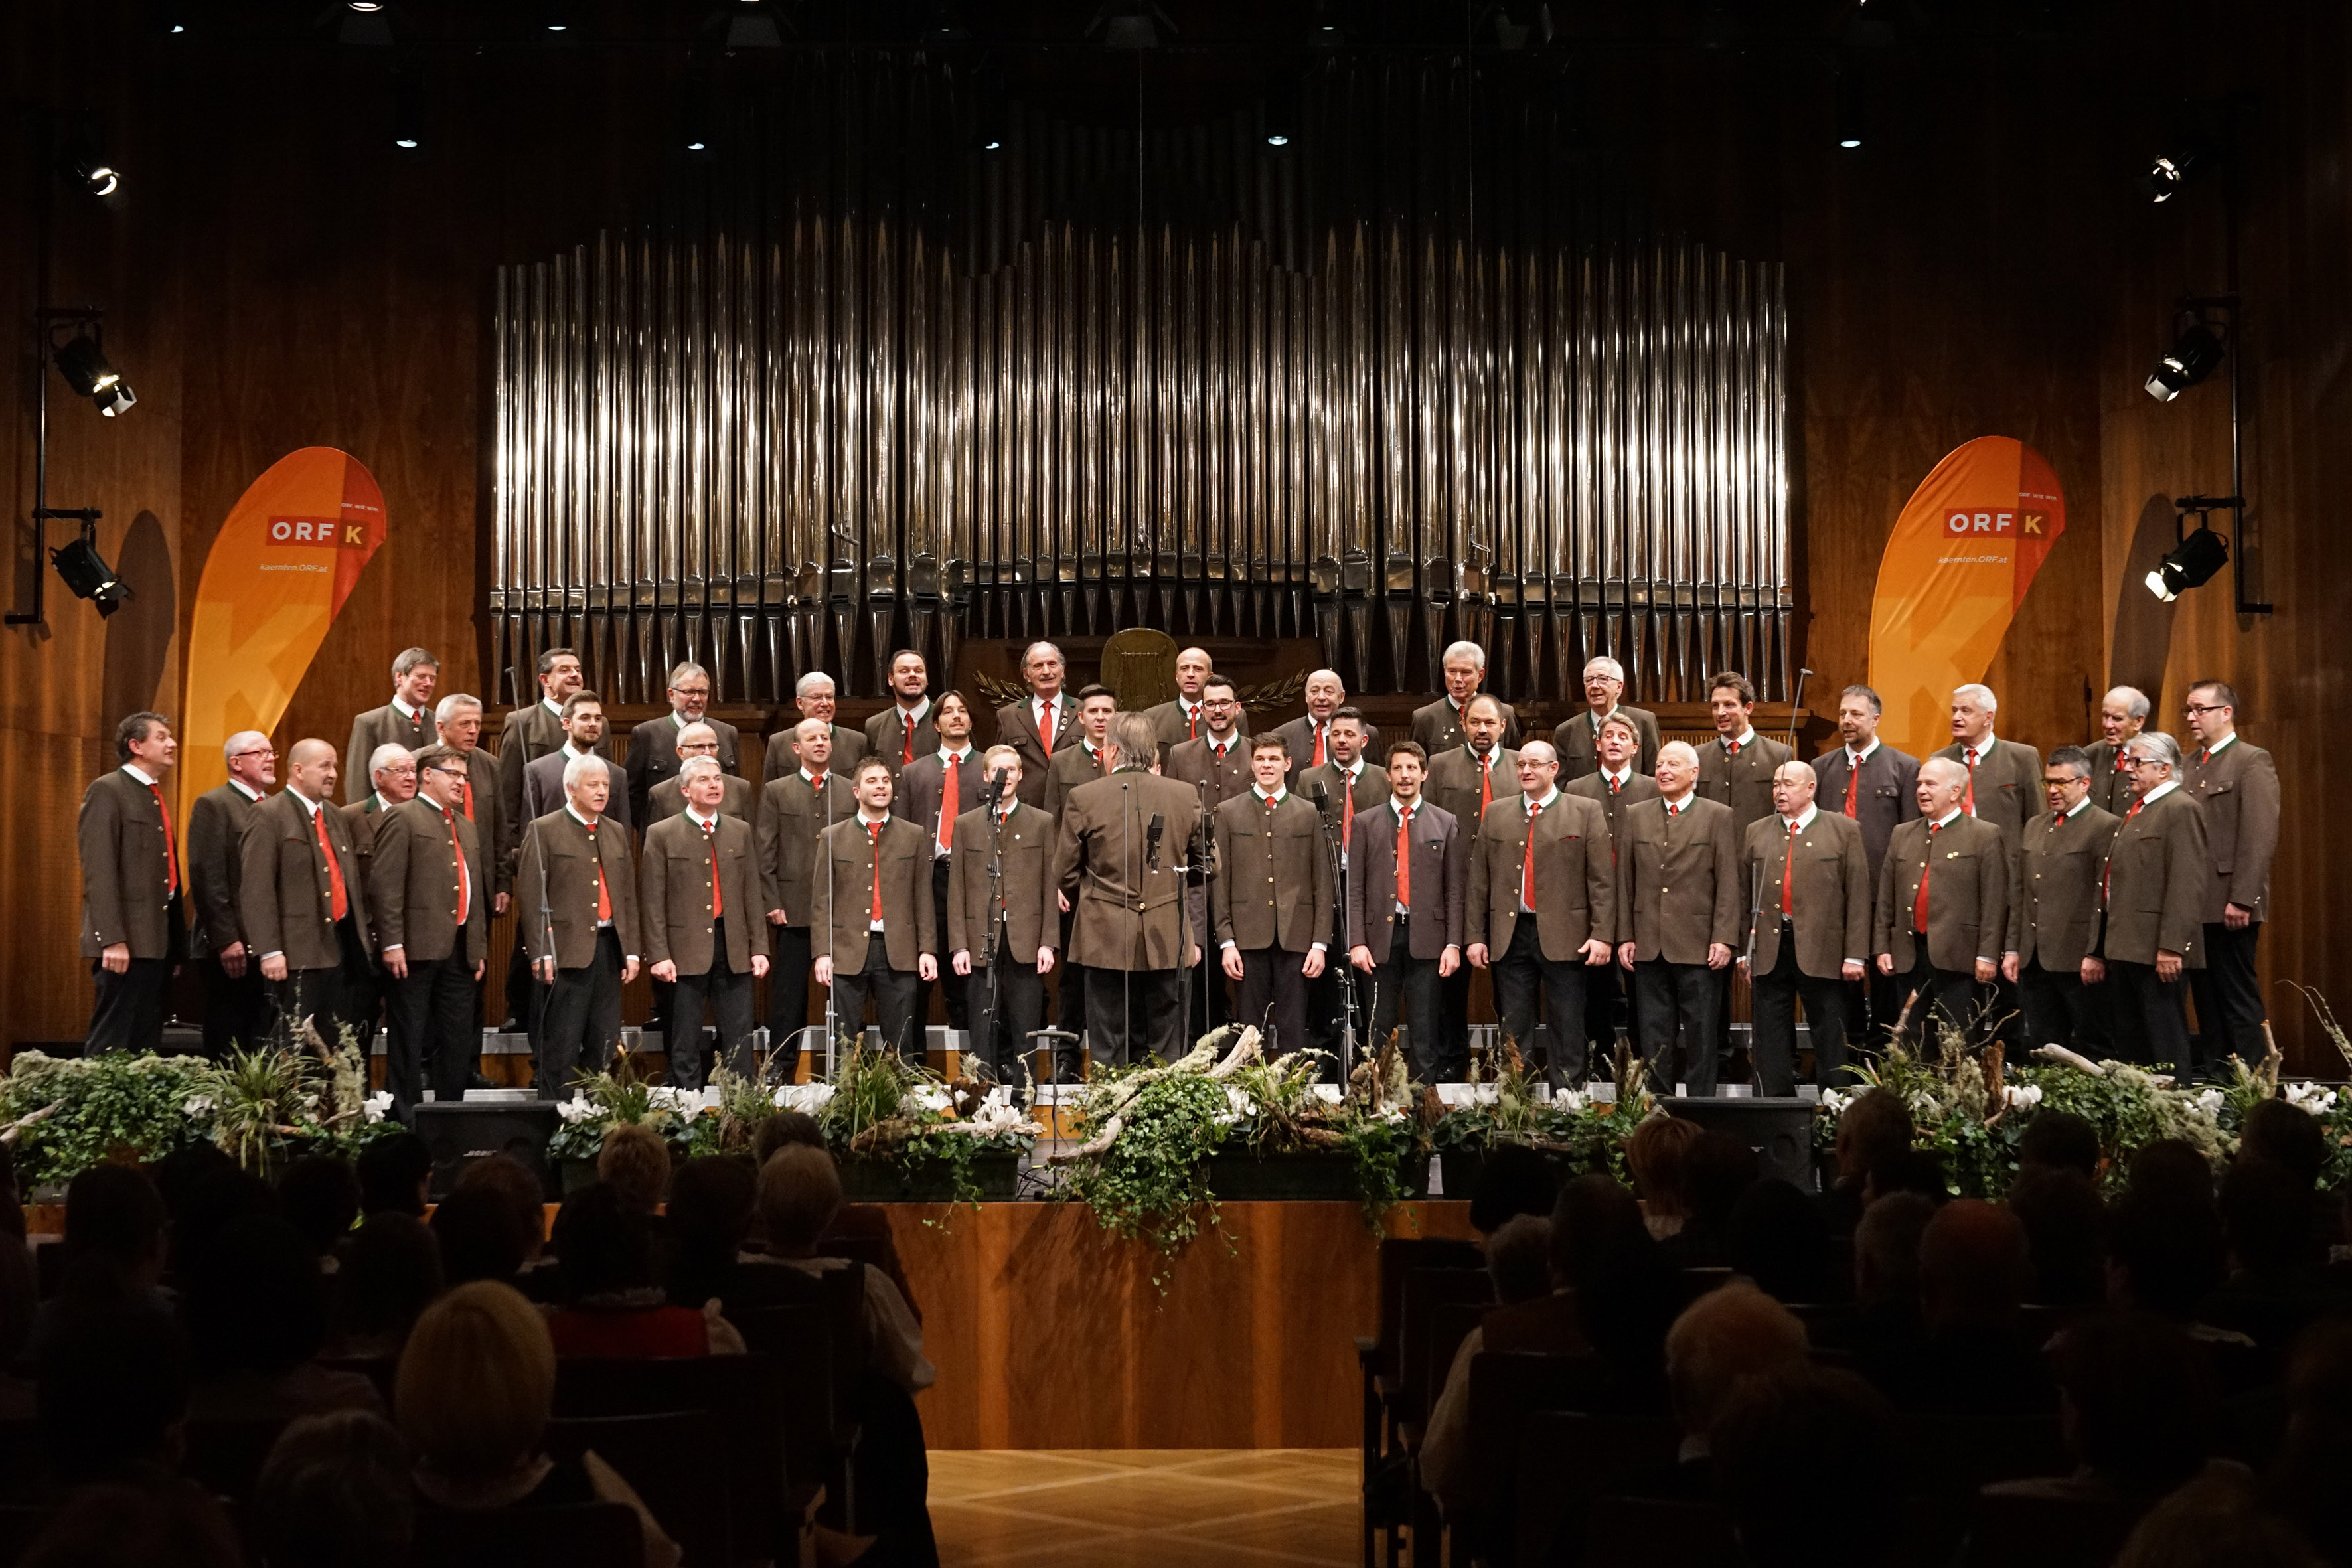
x=475, y=1390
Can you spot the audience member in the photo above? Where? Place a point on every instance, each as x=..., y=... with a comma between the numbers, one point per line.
x=392, y=1269
x=19, y=1294
x=711, y=1206
x=2174, y=1169
x=2217, y=1520
x=1906, y=1170
x=2065, y=1226
x=2165, y=1249
x=394, y=1170
x=2287, y=1136
x=2274, y=1286
x=1884, y=1322
x=335, y=1493
x=1722, y=1340
x=110, y=1393
x=1625, y=1291
x=512, y=1181
x=613, y=1302
x=635, y=1163
x=1773, y=1443
x=1518, y=1261
x=1654, y=1156
x=475, y=1387
x=255, y=1309
x=1875, y=1125
x=2136, y=1407
x=2056, y=1140
x=1716, y=1169
x=1974, y=1359
x=205, y=1192
x=1513, y=1180
x=115, y=1244
x=1777, y=1239
x=858, y=1230
x=320, y=1197
x=2314, y=1454
x=168, y=1523
x=476, y=1231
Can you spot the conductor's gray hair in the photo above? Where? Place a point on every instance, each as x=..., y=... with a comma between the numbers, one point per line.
x=577, y=769
x=1133, y=736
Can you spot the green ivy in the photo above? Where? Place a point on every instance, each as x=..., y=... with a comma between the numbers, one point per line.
x=1150, y=1185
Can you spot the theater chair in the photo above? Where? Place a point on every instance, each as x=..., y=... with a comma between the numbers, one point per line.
x=1565, y=1460
x=1386, y=1476
x=586, y=1535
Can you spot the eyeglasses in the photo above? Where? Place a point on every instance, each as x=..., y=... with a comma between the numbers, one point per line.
x=2196, y=708
x=235, y=755
x=456, y=772
x=695, y=693
x=700, y=748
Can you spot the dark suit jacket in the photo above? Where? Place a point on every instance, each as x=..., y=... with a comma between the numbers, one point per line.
x=525, y=735
x=1273, y=887
x=1576, y=879
x=1072, y=766
x=412, y=881
x=1887, y=794
x=1016, y=726
x=1126, y=913
x=1196, y=763
x=653, y=757
x=1832, y=893
x=1967, y=893
x=2239, y=788
x=675, y=898
x=1679, y=880
x=2006, y=788
x=2111, y=789
x=1438, y=727
x=560, y=843
x=380, y=727
x=1453, y=783
x=790, y=819
x=215, y=829
x=2158, y=871
x=1299, y=736
x=1743, y=782
x=364, y=814
x=125, y=878
x=667, y=799
x=910, y=918
x=2053, y=905
x=1032, y=914
x=284, y=896
x=925, y=780
x=1441, y=880
x=886, y=736
x=1579, y=745
x=543, y=789
x=1594, y=786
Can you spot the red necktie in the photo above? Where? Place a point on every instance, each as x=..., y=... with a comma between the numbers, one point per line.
x=1404, y=858
x=469, y=788
x=908, y=720
x=1731, y=747
x=1968, y=802
x=1919, y=902
x=1192, y=722
x=1615, y=783
x=1527, y=863
x=2107, y=876
x=341, y=901
x=948, y=804
x=465, y=882
x=717, y=897
x=171, y=846
x=604, y=894
x=1789, y=876
x=1486, y=783
x=2204, y=755
x=1045, y=728
x=874, y=849
x=1318, y=745
x=1852, y=785
x=1347, y=819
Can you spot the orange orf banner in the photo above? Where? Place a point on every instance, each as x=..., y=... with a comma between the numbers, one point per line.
x=277, y=574
x=1957, y=566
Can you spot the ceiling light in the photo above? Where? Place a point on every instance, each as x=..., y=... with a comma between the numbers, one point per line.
x=1849, y=109
x=86, y=573
x=2192, y=561
x=1129, y=25
x=408, y=112
x=2190, y=156
x=2195, y=354
x=97, y=177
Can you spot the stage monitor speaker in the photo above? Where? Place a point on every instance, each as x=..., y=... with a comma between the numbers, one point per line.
x=1780, y=1131
x=461, y=1133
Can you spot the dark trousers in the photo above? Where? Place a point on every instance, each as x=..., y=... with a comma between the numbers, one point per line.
x=527, y=1001
x=432, y=1034
x=1453, y=1014
x=126, y=1012
x=338, y=998
x=726, y=993
x=580, y=1022
x=1211, y=1004
x=1520, y=974
x=2229, y=997
x=1773, y=1043
x=1008, y=1004
x=893, y=991
x=1942, y=995
x=2060, y=1008
x=950, y=985
x=237, y=1011
x=1607, y=1009
x=1134, y=1013
x=787, y=993
x=1405, y=988
x=1274, y=997
x=1070, y=1012
x=1871, y=1005
x=1678, y=1002
x=2150, y=1025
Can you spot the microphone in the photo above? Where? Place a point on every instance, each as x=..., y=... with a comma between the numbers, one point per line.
x=1159, y=825
x=1322, y=798
x=996, y=788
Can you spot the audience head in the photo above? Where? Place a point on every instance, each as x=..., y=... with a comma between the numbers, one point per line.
x=635, y=1163
x=113, y=1212
x=2135, y=1400
x=1626, y=1291
x=1972, y=1267
x=2217, y=1520
x=390, y=1271
x=1727, y=1335
x=784, y=1126
x=1656, y=1153
x=254, y=1300
x=393, y=1169
x=1886, y=1250
x=2174, y=1169
x=800, y=1191
x=1875, y=1125
x=1775, y=1439
x=2315, y=1452
x=2065, y=1227
x=1777, y=1237
x=2265, y=1216
x=2287, y=1136
x=334, y=1493
x=320, y=1197
x=1906, y=1170
x=477, y=1382
x=710, y=1208
x=111, y=1388
x=2059, y=1140
x=1519, y=1259
x=605, y=1245
x=206, y=1191
x=476, y=1230
x=1515, y=1180
x=2165, y=1250
x=1716, y=1169
x=522, y=1193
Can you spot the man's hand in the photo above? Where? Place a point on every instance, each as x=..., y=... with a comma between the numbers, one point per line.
x=232, y=960
x=822, y=971
x=759, y=966
x=2236, y=919
x=776, y=917
x=2167, y=966
x=1985, y=971
x=273, y=968
x=1313, y=967
x=1596, y=953
x=1885, y=964
x=478, y=969
x=2008, y=967
x=2094, y=968
x=1045, y=960
x=544, y=969
x=927, y=967
x=1063, y=899
x=1361, y=957
x=116, y=956
x=1192, y=954
x=1449, y=963
x=1624, y=956
x=396, y=962
x=629, y=967
x=1718, y=955
x=962, y=961
x=1233, y=963
x=1851, y=969
x=500, y=902
x=1478, y=954
x=666, y=971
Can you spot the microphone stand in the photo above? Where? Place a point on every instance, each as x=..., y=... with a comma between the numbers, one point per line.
x=1202, y=852
x=1347, y=1020
x=997, y=914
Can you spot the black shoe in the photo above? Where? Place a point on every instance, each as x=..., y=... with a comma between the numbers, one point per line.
x=476, y=1080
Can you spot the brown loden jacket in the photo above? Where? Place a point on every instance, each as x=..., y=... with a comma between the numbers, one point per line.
x=125, y=884
x=285, y=898
x=1273, y=887
x=1441, y=880
x=558, y=842
x=413, y=884
x=2053, y=902
x=845, y=913
x=2157, y=872
x=1034, y=916
x=2239, y=788
x=1832, y=896
x=1967, y=893
x=1576, y=879
x=1127, y=913
x=790, y=819
x=1679, y=880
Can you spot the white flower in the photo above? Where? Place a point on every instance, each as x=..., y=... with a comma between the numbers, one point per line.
x=2021, y=1094
x=201, y=1105
x=2208, y=1101
x=2315, y=1098
x=992, y=1118
x=1836, y=1100
x=1242, y=1105
x=377, y=1105
x=806, y=1098
x=1572, y=1099
x=576, y=1109
x=928, y=1100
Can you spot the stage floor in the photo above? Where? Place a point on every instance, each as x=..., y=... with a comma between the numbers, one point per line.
x=1145, y=1507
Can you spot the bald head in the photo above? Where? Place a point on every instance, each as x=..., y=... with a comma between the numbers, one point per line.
x=311, y=769
x=1325, y=692
x=1942, y=784
x=1677, y=769
x=1792, y=789
x=1192, y=670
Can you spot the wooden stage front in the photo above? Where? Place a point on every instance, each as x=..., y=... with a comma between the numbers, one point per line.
x=1048, y=1334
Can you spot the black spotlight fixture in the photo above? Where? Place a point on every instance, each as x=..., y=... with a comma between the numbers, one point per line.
x=2192, y=563
x=2195, y=353
x=2190, y=156
x=1849, y=107
x=1325, y=31
x=1281, y=110
x=82, y=360
x=87, y=575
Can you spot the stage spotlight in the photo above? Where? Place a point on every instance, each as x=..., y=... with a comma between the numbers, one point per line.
x=1129, y=25
x=84, y=365
x=2195, y=354
x=1850, y=109
x=1325, y=32
x=1281, y=113
x=752, y=27
x=99, y=177
x=2192, y=562
x=408, y=112
x=2166, y=174
x=86, y=573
